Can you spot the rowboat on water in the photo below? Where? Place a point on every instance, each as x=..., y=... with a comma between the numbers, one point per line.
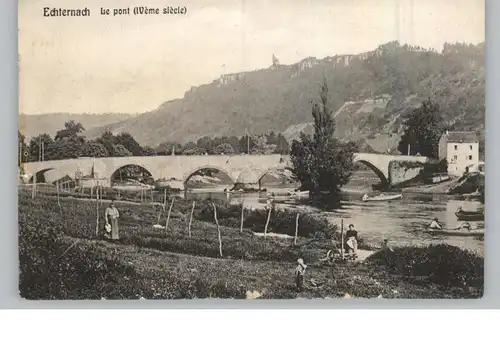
x=463, y=215
x=381, y=197
x=471, y=195
x=300, y=193
x=132, y=185
x=451, y=232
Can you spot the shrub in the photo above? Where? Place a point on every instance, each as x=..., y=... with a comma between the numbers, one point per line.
x=442, y=264
x=282, y=221
x=53, y=267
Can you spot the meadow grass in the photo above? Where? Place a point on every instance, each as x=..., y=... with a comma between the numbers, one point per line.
x=61, y=258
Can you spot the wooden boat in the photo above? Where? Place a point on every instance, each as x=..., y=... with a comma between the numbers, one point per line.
x=132, y=185
x=300, y=193
x=451, y=232
x=469, y=215
x=472, y=195
x=381, y=197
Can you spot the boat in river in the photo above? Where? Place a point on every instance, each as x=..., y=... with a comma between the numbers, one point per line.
x=472, y=195
x=300, y=193
x=132, y=185
x=463, y=215
x=381, y=197
x=453, y=232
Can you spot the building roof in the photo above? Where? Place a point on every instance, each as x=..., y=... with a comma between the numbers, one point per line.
x=461, y=136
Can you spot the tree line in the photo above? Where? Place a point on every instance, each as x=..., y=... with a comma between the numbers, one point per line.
x=70, y=143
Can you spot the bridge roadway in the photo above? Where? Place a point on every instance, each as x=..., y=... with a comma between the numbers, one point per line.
x=247, y=169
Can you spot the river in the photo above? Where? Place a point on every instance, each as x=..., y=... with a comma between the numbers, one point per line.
x=399, y=221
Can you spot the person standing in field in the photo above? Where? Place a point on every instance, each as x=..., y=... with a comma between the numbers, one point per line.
x=300, y=271
x=352, y=240
x=111, y=216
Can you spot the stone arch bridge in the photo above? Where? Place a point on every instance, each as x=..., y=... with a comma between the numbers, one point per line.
x=247, y=169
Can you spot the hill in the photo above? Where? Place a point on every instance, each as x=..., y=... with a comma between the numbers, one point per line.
x=369, y=93
x=33, y=125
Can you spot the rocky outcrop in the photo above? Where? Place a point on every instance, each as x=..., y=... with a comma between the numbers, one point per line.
x=303, y=65
x=227, y=79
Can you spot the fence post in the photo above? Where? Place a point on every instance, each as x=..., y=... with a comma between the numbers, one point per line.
x=58, y=201
x=218, y=229
x=342, y=237
x=168, y=216
x=97, y=209
x=296, y=229
x=242, y=211
x=33, y=190
x=267, y=222
x=191, y=219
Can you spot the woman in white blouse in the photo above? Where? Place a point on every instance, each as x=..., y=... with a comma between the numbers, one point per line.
x=111, y=216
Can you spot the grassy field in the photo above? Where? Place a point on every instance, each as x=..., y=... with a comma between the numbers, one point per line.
x=61, y=258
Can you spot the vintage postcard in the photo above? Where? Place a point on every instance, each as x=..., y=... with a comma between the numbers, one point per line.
x=237, y=149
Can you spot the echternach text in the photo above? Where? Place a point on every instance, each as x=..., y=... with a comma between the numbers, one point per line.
x=47, y=11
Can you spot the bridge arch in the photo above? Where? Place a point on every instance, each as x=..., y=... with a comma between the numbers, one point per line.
x=40, y=175
x=383, y=179
x=277, y=170
x=192, y=172
x=116, y=172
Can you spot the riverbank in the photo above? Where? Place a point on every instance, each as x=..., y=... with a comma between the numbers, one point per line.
x=182, y=262
x=466, y=184
x=439, y=188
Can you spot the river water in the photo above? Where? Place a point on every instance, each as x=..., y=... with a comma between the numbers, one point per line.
x=399, y=221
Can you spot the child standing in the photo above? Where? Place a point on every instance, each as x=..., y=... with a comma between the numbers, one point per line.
x=299, y=274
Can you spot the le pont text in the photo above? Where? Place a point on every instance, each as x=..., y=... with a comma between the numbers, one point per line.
x=143, y=10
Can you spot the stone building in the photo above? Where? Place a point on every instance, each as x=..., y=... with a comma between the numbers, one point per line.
x=461, y=151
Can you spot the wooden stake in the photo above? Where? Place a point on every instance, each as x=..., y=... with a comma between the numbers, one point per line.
x=164, y=199
x=296, y=229
x=58, y=201
x=267, y=222
x=191, y=219
x=242, y=212
x=218, y=229
x=33, y=191
x=168, y=216
x=97, y=217
x=342, y=237
x=159, y=216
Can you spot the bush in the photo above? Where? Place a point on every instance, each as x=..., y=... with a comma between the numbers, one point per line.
x=442, y=264
x=430, y=169
x=54, y=267
x=282, y=221
x=469, y=183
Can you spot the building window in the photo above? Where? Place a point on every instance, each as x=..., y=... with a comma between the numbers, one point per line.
x=470, y=157
x=470, y=147
x=455, y=157
x=456, y=147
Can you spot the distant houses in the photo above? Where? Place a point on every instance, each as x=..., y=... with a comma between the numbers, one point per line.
x=461, y=151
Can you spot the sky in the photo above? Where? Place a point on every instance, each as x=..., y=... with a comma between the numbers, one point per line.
x=132, y=64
